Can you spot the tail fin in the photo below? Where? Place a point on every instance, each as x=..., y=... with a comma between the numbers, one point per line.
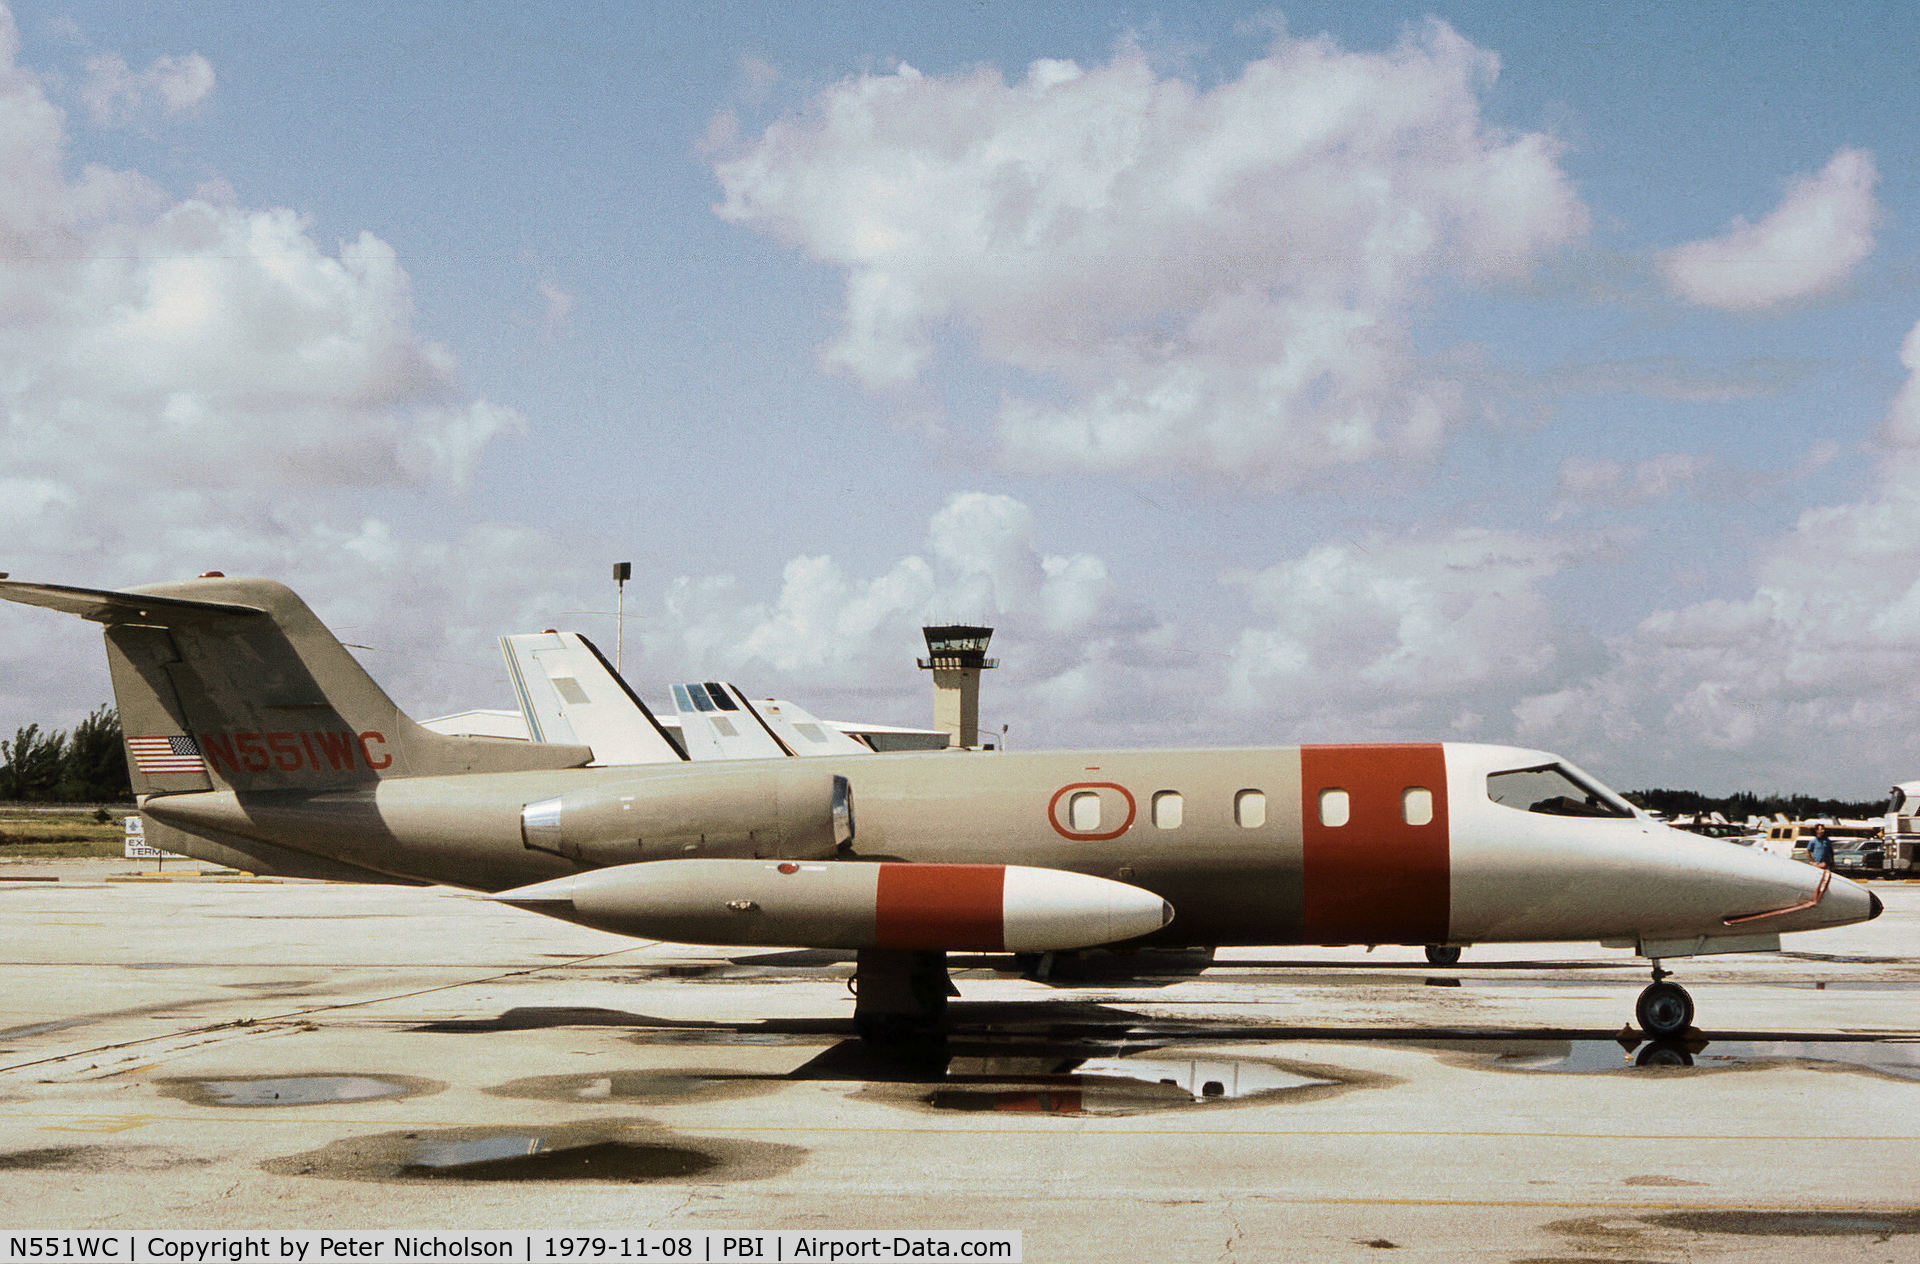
x=805, y=733
x=235, y=684
x=569, y=692
x=717, y=722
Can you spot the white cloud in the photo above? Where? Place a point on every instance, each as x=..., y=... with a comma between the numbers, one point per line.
x=1902, y=426
x=556, y=311
x=1811, y=681
x=829, y=635
x=1806, y=247
x=1215, y=280
x=1399, y=636
x=116, y=95
x=205, y=344
x=191, y=384
x=1600, y=482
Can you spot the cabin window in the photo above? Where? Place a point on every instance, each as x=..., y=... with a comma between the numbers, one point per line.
x=1553, y=790
x=1250, y=809
x=1336, y=807
x=1083, y=812
x=1168, y=809
x=1416, y=805
x=721, y=699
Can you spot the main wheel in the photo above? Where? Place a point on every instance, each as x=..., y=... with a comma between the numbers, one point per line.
x=1664, y=1009
x=1443, y=954
x=1664, y=1053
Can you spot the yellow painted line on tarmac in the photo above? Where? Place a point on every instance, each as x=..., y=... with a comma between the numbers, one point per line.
x=103, y=1123
x=1793, y=1208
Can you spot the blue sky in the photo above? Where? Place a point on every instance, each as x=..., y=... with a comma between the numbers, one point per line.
x=1322, y=372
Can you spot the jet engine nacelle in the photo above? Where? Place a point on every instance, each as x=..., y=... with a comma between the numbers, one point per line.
x=771, y=810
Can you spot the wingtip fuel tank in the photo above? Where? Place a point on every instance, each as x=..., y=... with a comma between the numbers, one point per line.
x=851, y=905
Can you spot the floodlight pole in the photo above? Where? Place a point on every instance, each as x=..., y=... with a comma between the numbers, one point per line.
x=622, y=572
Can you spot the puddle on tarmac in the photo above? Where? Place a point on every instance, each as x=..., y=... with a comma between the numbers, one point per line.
x=611, y=1151
x=296, y=1090
x=1899, y=1059
x=526, y=1156
x=1880, y=1225
x=1051, y=1081
x=660, y=1088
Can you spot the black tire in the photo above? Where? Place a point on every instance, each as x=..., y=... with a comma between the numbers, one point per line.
x=1664, y=1053
x=1443, y=954
x=1664, y=1010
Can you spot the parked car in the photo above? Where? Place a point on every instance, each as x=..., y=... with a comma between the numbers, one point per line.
x=1865, y=855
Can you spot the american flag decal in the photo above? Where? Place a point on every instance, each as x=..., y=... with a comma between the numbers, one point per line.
x=162, y=756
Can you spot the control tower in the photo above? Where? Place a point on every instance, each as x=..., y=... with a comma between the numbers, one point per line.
x=956, y=655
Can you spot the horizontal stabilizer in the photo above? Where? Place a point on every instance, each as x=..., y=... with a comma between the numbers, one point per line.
x=104, y=605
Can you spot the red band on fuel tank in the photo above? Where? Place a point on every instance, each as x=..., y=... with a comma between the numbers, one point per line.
x=933, y=907
x=1375, y=879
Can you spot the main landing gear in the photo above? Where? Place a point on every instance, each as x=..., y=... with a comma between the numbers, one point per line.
x=900, y=997
x=1664, y=1009
x=1443, y=954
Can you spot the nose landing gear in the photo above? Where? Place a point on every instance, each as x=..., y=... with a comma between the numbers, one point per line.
x=1664, y=1009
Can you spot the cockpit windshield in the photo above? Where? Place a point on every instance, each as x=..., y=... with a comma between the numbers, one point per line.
x=1554, y=790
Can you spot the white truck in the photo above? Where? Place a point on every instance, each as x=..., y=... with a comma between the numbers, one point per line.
x=1901, y=840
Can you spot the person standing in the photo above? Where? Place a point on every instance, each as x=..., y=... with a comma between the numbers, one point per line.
x=1820, y=849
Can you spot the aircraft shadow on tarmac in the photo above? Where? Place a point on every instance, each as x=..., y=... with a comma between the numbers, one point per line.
x=1042, y=1041
x=962, y=1016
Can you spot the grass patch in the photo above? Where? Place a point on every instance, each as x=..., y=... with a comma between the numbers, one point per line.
x=43, y=833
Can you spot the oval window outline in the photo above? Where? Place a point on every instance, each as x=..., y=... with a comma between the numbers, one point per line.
x=1099, y=836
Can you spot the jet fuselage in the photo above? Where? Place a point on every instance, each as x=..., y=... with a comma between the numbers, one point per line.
x=1293, y=844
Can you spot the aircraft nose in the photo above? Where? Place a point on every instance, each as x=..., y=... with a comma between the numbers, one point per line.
x=1874, y=906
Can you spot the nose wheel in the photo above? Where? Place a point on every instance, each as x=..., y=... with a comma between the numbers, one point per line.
x=1664, y=1009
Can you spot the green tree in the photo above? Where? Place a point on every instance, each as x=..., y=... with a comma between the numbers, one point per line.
x=95, y=769
x=33, y=763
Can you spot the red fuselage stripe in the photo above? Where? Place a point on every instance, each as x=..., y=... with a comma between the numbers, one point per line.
x=1375, y=879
